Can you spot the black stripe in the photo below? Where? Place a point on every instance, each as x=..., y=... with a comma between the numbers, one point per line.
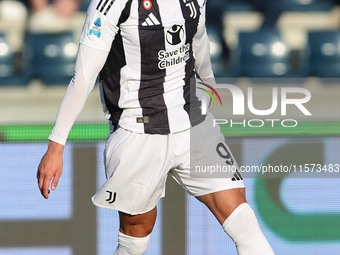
x=110, y=74
x=239, y=175
x=236, y=176
x=192, y=105
x=101, y=10
x=108, y=8
x=125, y=13
x=100, y=2
x=152, y=77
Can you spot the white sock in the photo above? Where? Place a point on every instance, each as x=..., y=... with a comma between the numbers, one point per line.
x=128, y=245
x=243, y=228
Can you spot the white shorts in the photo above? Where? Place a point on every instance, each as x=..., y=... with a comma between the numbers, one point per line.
x=137, y=166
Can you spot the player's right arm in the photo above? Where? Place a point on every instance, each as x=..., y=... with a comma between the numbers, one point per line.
x=88, y=65
x=98, y=33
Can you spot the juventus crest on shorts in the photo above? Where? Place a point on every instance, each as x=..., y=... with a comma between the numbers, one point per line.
x=147, y=82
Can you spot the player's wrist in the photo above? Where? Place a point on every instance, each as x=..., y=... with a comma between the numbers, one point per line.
x=55, y=147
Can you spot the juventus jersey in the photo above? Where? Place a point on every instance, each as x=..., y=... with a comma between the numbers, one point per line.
x=148, y=80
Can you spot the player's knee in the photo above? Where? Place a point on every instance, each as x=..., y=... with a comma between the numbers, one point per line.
x=136, y=230
x=243, y=227
x=129, y=245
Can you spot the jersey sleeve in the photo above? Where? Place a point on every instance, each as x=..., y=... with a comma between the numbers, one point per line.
x=101, y=23
x=88, y=65
x=201, y=50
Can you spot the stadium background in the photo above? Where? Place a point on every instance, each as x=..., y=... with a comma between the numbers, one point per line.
x=299, y=215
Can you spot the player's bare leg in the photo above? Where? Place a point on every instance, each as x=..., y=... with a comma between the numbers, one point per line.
x=223, y=203
x=134, y=231
x=238, y=220
x=139, y=225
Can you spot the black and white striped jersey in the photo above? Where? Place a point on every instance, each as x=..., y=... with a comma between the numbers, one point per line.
x=147, y=82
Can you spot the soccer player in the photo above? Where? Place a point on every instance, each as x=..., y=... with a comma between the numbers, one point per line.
x=148, y=54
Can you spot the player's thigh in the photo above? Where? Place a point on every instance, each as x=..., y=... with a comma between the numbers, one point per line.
x=208, y=166
x=136, y=166
x=224, y=202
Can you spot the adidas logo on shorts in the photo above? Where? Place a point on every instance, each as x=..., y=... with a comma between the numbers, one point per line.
x=237, y=176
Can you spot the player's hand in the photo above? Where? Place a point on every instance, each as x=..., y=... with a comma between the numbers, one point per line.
x=50, y=168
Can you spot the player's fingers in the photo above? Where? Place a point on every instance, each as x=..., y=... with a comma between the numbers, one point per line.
x=55, y=181
x=45, y=187
x=40, y=181
x=40, y=177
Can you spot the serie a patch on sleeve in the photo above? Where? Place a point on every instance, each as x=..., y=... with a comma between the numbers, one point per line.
x=95, y=30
